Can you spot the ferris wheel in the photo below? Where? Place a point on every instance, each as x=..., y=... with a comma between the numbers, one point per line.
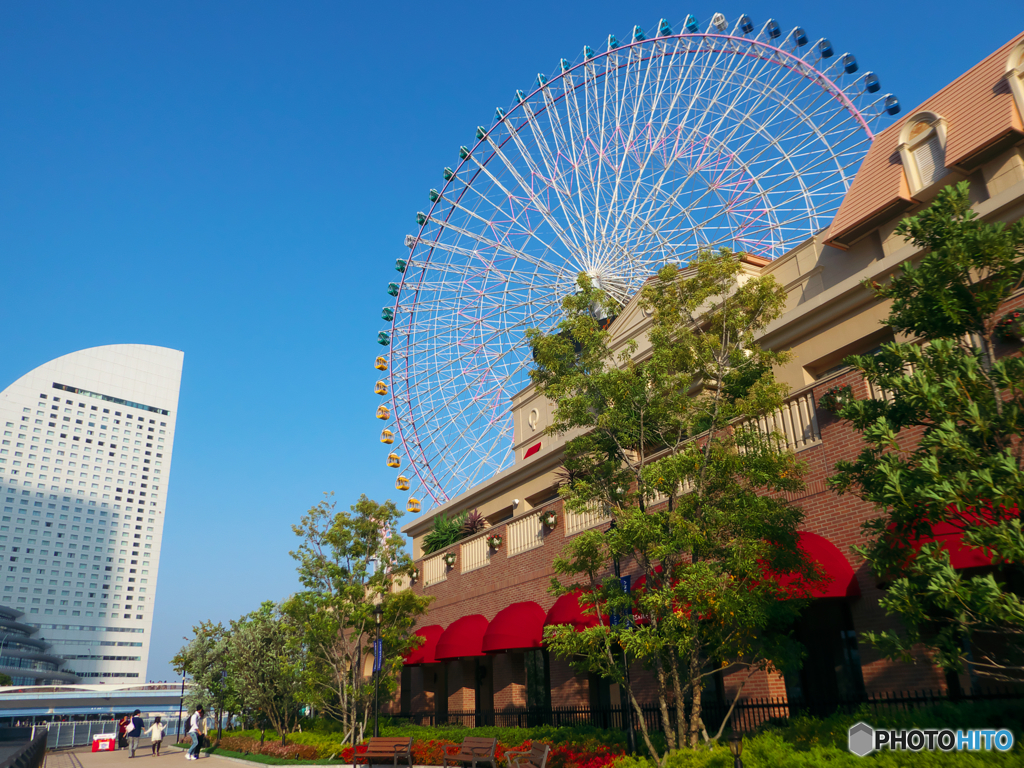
x=628, y=158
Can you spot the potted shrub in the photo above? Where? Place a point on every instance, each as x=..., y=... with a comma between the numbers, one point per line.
x=1011, y=327
x=494, y=541
x=835, y=398
x=450, y=559
x=549, y=518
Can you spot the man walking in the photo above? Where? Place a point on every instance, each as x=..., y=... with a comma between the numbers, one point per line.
x=133, y=732
x=197, y=730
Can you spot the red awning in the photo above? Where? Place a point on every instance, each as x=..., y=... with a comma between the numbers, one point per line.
x=840, y=580
x=425, y=653
x=520, y=626
x=950, y=535
x=566, y=610
x=463, y=638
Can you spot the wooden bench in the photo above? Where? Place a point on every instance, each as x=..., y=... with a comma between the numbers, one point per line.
x=473, y=750
x=385, y=749
x=537, y=757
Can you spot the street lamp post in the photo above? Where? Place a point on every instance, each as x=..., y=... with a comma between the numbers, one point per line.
x=181, y=704
x=378, y=660
x=626, y=710
x=736, y=748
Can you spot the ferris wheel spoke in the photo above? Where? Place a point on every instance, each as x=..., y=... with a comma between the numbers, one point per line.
x=550, y=174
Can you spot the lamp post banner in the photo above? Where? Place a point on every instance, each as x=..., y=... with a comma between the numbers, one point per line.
x=378, y=655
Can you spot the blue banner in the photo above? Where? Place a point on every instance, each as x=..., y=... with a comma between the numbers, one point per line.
x=625, y=583
x=378, y=655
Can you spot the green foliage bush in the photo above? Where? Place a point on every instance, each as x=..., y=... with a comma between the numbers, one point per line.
x=803, y=742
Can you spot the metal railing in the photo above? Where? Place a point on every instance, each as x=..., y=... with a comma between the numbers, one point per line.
x=31, y=755
x=64, y=735
x=748, y=714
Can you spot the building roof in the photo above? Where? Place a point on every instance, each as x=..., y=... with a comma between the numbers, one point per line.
x=979, y=110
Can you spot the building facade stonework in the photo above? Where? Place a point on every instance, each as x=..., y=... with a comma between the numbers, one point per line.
x=971, y=130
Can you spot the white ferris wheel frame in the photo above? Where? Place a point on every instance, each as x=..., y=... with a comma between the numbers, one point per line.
x=834, y=114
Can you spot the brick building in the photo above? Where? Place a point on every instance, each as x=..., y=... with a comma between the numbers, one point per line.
x=483, y=629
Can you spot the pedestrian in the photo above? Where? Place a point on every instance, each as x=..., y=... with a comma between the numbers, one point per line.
x=133, y=732
x=122, y=728
x=156, y=734
x=197, y=730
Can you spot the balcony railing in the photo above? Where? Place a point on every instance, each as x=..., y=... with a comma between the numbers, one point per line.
x=525, y=533
x=435, y=570
x=576, y=522
x=475, y=554
x=796, y=423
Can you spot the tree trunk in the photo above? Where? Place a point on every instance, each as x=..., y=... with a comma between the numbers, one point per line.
x=643, y=728
x=695, y=692
x=666, y=721
x=677, y=690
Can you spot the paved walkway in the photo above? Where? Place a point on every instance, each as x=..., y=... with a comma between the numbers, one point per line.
x=170, y=757
x=84, y=757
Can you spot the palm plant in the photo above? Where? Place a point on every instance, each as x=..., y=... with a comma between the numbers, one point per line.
x=446, y=531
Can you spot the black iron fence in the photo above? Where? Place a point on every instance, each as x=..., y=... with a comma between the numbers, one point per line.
x=746, y=716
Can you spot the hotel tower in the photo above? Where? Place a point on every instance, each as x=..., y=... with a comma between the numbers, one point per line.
x=85, y=462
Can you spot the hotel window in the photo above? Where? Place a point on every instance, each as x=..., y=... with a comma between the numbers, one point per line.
x=923, y=150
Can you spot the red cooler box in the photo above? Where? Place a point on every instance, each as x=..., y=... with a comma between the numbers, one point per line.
x=104, y=742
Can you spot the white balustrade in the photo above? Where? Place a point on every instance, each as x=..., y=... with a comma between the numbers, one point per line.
x=581, y=521
x=525, y=533
x=796, y=423
x=475, y=554
x=435, y=570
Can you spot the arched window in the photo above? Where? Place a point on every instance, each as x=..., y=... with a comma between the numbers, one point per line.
x=923, y=150
x=1015, y=76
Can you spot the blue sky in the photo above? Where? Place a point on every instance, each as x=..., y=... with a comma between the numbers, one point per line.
x=235, y=180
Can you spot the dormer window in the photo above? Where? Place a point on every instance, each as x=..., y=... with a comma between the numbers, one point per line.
x=1015, y=77
x=923, y=150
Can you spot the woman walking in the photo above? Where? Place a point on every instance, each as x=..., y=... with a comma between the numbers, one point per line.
x=156, y=734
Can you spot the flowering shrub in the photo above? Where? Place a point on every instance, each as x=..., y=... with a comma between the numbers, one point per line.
x=272, y=748
x=586, y=754
x=494, y=541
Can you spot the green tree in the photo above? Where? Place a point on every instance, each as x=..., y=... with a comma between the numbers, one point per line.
x=265, y=664
x=204, y=659
x=944, y=448
x=5, y=679
x=349, y=562
x=659, y=440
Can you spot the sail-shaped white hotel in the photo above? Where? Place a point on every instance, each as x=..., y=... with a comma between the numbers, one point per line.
x=85, y=461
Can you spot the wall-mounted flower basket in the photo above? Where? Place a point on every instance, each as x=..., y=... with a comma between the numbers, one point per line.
x=835, y=399
x=450, y=559
x=549, y=519
x=1011, y=327
x=494, y=542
